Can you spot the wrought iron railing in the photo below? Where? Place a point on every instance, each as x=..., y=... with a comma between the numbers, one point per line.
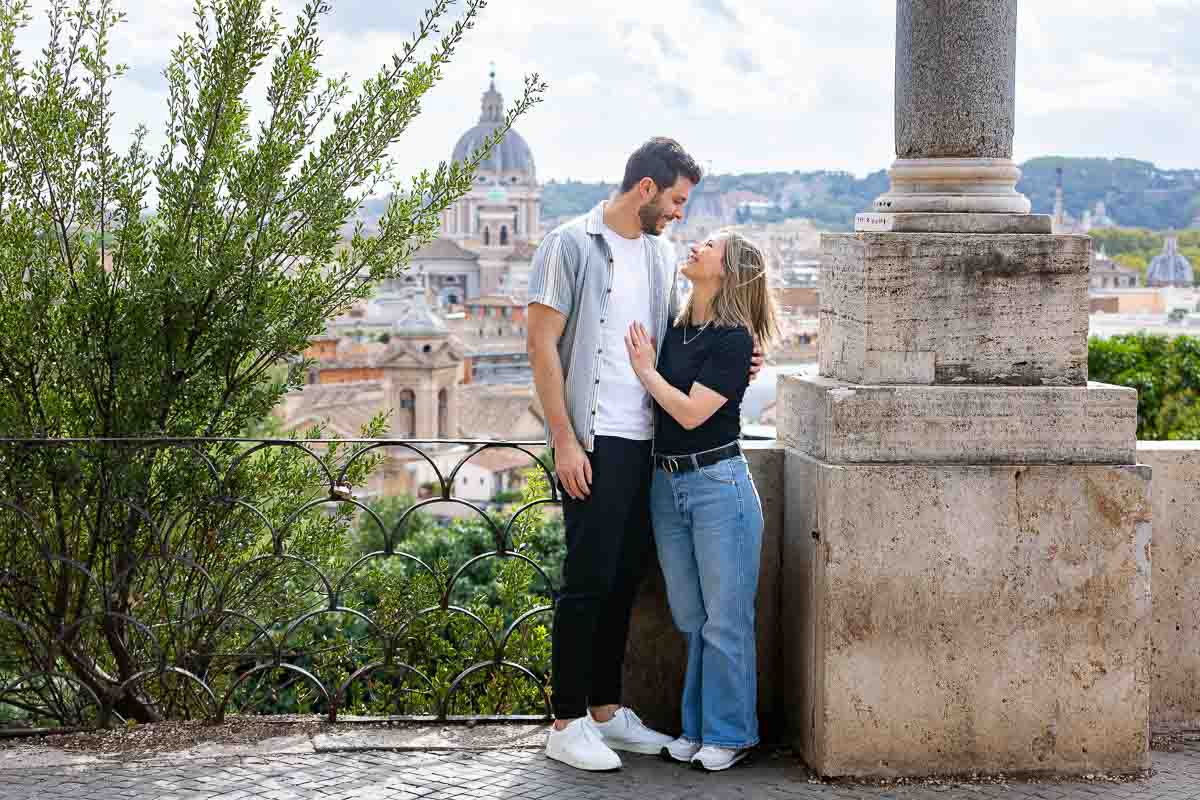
x=146, y=579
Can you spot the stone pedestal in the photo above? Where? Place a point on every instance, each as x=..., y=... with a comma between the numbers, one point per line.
x=845, y=423
x=948, y=619
x=955, y=308
x=966, y=559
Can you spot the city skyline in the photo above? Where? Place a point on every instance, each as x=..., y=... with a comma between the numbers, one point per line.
x=746, y=87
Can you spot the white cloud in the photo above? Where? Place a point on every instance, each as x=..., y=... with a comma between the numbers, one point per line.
x=763, y=85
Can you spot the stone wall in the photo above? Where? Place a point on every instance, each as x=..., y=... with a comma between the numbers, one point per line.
x=1175, y=586
x=951, y=619
x=656, y=656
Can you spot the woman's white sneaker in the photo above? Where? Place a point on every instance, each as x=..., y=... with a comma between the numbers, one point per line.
x=579, y=745
x=682, y=749
x=714, y=759
x=625, y=731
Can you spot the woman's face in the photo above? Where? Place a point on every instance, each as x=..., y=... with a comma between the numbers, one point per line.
x=704, y=264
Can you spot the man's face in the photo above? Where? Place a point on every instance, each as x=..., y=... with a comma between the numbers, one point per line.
x=665, y=206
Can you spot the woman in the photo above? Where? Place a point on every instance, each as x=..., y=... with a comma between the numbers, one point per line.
x=707, y=517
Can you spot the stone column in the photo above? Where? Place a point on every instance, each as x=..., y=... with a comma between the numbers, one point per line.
x=966, y=555
x=955, y=84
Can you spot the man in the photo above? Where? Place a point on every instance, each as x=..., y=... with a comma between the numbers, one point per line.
x=591, y=279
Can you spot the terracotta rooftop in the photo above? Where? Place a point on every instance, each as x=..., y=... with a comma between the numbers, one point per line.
x=498, y=411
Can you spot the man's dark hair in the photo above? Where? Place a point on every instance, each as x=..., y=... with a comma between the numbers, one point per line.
x=662, y=160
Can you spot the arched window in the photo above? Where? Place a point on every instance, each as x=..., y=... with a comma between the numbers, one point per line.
x=503, y=235
x=487, y=236
x=405, y=414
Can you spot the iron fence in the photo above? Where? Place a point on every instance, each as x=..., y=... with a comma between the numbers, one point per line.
x=148, y=579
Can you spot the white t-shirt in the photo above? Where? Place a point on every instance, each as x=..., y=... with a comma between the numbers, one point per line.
x=623, y=407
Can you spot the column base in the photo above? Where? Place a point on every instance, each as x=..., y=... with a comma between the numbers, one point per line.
x=954, y=186
x=956, y=619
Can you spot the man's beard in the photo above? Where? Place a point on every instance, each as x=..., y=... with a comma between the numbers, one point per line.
x=650, y=215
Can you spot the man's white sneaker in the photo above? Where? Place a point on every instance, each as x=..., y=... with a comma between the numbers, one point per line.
x=682, y=749
x=714, y=759
x=626, y=732
x=579, y=745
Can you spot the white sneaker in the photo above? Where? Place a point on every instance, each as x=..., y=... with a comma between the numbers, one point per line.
x=714, y=759
x=626, y=732
x=682, y=749
x=579, y=745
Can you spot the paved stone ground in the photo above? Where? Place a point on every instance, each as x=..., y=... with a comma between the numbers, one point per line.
x=526, y=774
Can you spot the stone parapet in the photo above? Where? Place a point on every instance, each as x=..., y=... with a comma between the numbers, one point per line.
x=991, y=309
x=957, y=619
x=1175, y=630
x=848, y=423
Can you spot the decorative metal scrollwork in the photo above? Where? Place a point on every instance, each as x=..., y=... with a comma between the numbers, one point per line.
x=155, y=579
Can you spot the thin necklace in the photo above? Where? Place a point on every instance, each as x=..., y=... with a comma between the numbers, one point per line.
x=686, y=340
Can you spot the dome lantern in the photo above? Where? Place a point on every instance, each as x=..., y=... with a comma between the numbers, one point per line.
x=511, y=156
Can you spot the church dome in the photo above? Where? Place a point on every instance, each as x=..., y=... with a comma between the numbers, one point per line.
x=1170, y=268
x=511, y=155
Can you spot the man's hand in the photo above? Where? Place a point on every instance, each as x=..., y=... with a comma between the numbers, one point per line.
x=573, y=467
x=756, y=362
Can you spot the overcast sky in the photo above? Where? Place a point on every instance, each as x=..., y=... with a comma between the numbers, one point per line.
x=747, y=85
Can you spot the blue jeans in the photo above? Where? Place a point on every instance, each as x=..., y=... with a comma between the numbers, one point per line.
x=708, y=527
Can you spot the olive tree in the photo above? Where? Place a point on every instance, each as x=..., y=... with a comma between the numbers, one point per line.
x=165, y=294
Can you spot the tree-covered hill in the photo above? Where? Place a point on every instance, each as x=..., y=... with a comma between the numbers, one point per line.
x=1137, y=193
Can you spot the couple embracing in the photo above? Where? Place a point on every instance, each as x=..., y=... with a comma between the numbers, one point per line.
x=642, y=393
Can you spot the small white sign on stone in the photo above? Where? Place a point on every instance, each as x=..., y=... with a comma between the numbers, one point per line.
x=874, y=223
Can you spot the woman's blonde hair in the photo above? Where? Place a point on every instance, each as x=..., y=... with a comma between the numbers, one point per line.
x=744, y=298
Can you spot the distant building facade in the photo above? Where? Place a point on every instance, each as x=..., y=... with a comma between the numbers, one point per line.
x=486, y=241
x=500, y=216
x=1108, y=274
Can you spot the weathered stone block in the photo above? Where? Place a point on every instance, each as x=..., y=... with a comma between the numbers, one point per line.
x=847, y=423
x=925, y=308
x=956, y=619
x=656, y=655
x=1175, y=631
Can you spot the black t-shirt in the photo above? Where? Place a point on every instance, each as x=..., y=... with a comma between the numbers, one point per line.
x=718, y=358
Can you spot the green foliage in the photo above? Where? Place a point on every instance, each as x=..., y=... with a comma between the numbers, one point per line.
x=452, y=618
x=172, y=294
x=1166, y=373
x=572, y=198
x=1133, y=261
x=455, y=543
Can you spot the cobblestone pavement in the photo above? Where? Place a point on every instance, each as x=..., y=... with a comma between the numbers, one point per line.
x=527, y=774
